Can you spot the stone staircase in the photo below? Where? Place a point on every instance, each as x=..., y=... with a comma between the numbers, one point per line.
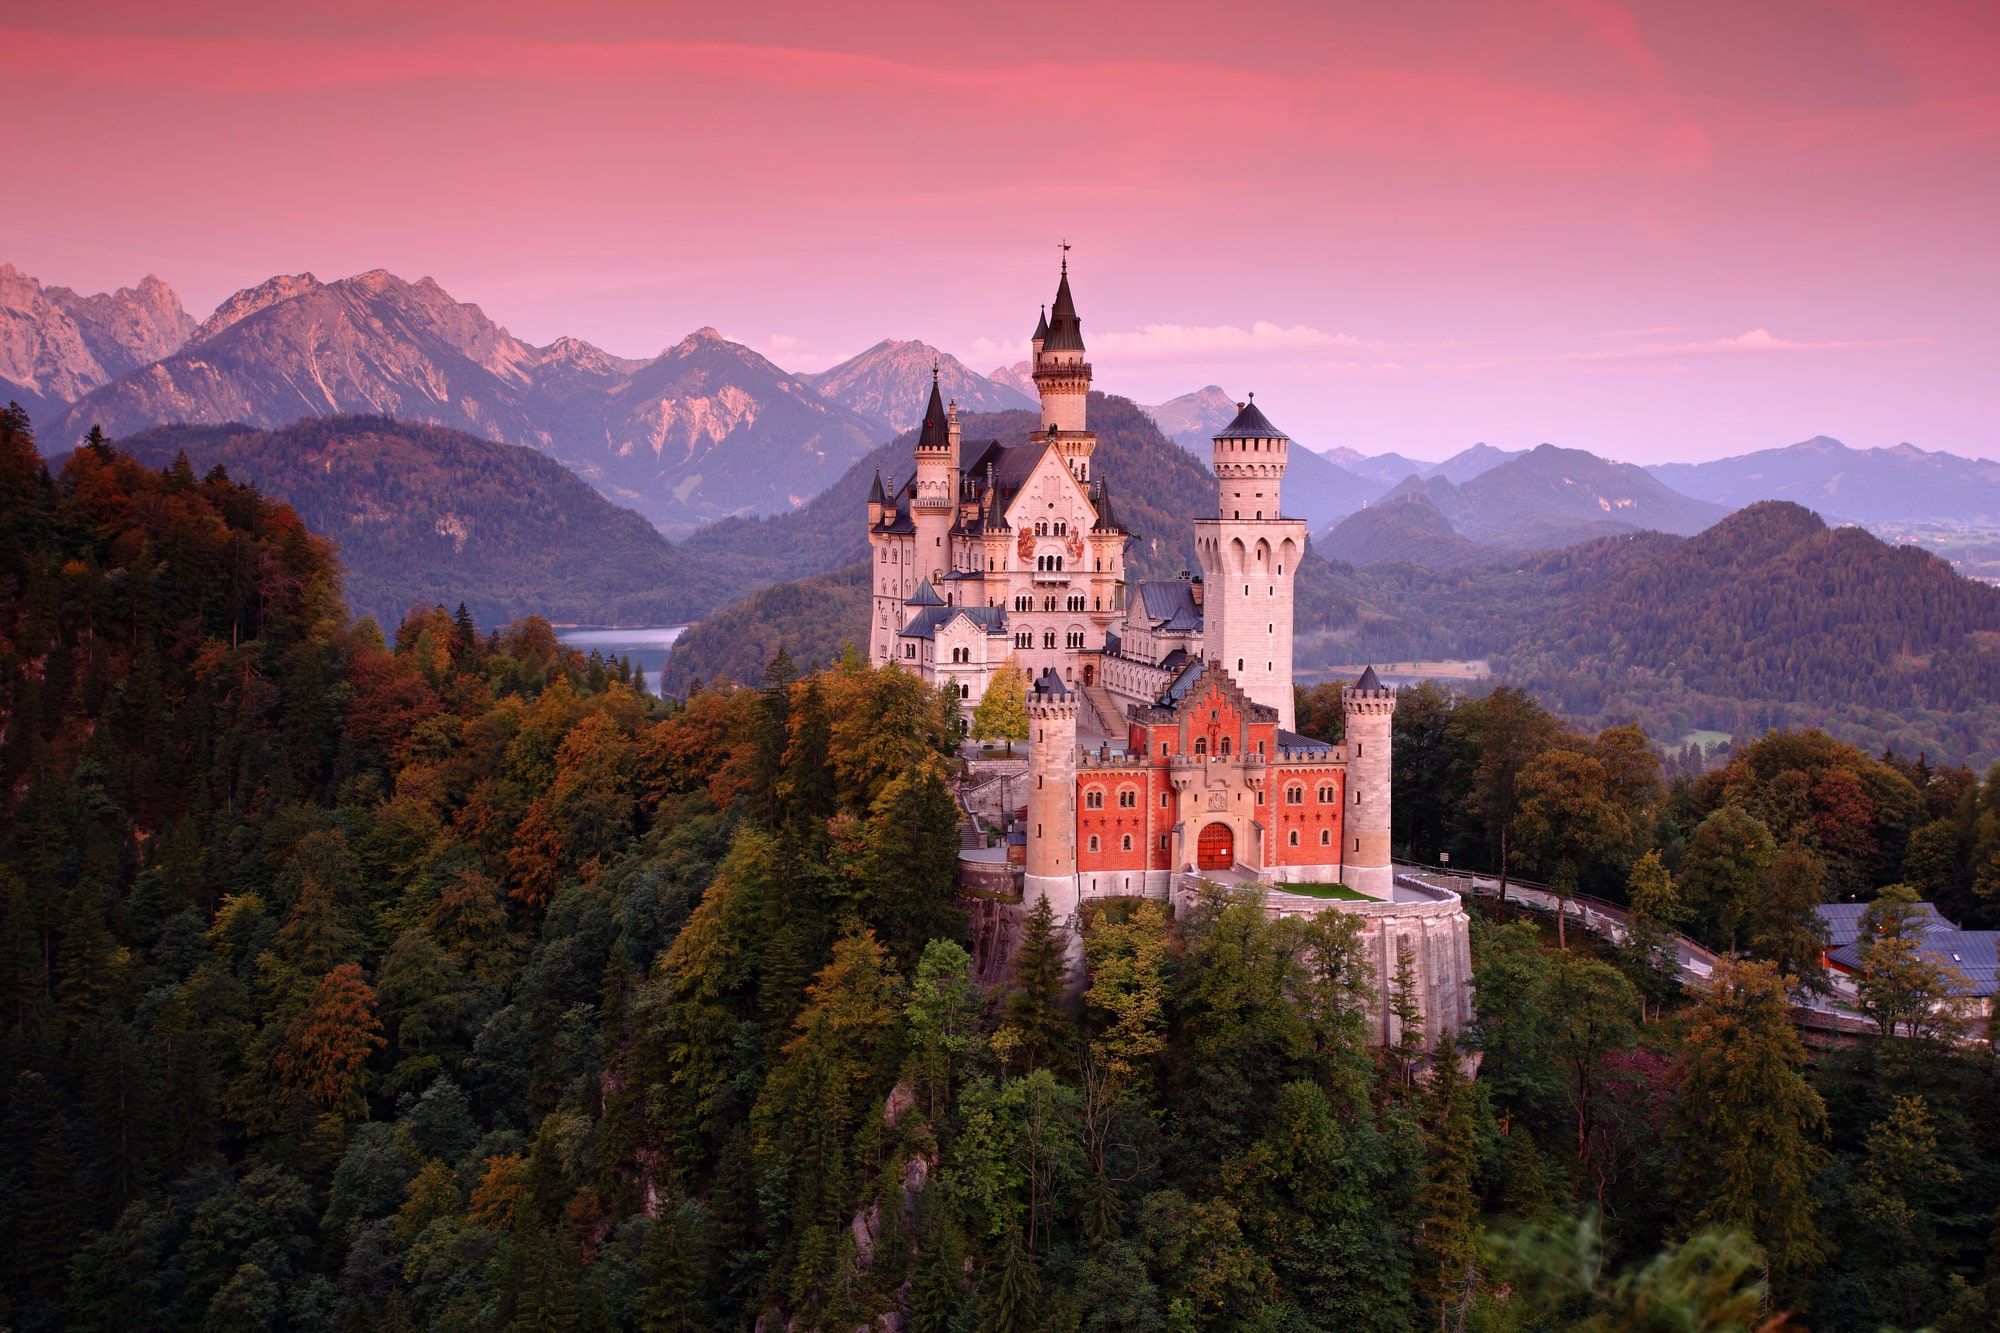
x=1110, y=715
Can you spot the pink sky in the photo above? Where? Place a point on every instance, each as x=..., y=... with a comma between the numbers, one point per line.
x=1669, y=230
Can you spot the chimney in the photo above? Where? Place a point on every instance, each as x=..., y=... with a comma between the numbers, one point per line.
x=1195, y=587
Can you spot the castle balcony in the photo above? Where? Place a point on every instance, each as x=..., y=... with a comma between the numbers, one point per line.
x=1061, y=369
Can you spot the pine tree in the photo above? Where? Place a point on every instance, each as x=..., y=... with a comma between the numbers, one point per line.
x=673, y=1265
x=1448, y=1203
x=1036, y=1030
x=1748, y=1126
x=1016, y=1292
x=1406, y=1008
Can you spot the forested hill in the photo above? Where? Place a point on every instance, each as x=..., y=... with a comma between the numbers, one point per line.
x=1156, y=489
x=426, y=515
x=1770, y=618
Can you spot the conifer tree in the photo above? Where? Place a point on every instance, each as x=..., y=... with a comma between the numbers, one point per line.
x=1036, y=1030
x=1748, y=1126
x=1015, y=1293
x=1449, y=1205
x=673, y=1266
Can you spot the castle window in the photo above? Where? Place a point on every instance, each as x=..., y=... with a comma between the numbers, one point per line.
x=1165, y=799
x=965, y=691
x=1357, y=844
x=1357, y=798
x=1295, y=796
x=1201, y=745
x=1294, y=839
x=1326, y=837
x=1128, y=798
x=1093, y=842
x=1326, y=795
x=1094, y=799
x=1125, y=844
x=1163, y=842
x=1048, y=638
x=1224, y=747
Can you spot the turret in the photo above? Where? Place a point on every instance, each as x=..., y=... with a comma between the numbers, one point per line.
x=1249, y=558
x=1052, y=788
x=1370, y=711
x=878, y=500
x=1062, y=376
x=936, y=498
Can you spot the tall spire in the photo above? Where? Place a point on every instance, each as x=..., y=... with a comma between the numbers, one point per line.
x=1042, y=325
x=937, y=430
x=1065, y=329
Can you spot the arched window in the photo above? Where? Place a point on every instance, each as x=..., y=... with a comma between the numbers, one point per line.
x=1326, y=794
x=1295, y=796
x=1048, y=638
x=965, y=691
x=1201, y=745
x=1128, y=798
x=1326, y=837
x=1093, y=842
x=1294, y=839
x=1223, y=747
x=1126, y=843
x=1093, y=799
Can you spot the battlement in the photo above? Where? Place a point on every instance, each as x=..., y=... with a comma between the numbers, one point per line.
x=1096, y=759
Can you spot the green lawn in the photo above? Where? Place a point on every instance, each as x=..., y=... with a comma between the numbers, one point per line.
x=1339, y=892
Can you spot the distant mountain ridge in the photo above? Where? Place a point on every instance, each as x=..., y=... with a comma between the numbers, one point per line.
x=891, y=382
x=706, y=429
x=56, y=346
x=426, y=515
x=1550, y=498
x=1862, y=485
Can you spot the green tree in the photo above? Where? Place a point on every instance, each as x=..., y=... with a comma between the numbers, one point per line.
x=1650, y=949
x=1904, y=987
x=673, y=1268
x=1509, y=731
x=1722, y=875
x=1787, y=930
x=1002, y=714
x=1590, y=1007
x=1036, y=1030
x=1905, y=1188
x=942, y=1016
x=1448, y=1232
x=1748, y=1126
x=1568, y=819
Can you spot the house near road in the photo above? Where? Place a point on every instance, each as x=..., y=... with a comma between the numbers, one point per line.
x=1973, y=954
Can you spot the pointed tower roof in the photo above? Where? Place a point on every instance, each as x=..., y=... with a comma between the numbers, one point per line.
x=937, y=430
x=1101, y=500
x=1369, y=680
x=1042, y=325
x=1250, y=424
x=1065, y=329
x=925, y=595
x=876, y=495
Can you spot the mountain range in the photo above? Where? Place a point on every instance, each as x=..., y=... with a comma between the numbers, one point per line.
x=56, y=346
x=890, y=382
x=425, y=515
x=1861, y=485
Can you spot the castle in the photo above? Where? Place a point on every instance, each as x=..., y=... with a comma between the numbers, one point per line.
x=1161, y=743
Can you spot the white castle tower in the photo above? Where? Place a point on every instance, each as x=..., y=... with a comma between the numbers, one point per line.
x=1062, y=378
x=1370, y=712
x=935, y=504
x=1051, y=867
x=1249, y=556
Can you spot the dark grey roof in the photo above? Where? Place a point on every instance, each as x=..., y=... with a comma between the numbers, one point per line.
x=1174, y=660
x=1177, y=688
x=1369, y=680
x=1042, y=325
x=876, y=495
x=1100, y=500
x=1113, y=644
x=925, y=595
x=927, y=622
x=1170, y=600
x=1843, y=921
x=1292, y=740
x=1051, y=685
x=937, y=431
x=1065, y=329
x=1973, y=954
x=1250, y=424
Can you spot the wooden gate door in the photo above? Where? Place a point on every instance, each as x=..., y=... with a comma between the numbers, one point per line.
x=1216, y=849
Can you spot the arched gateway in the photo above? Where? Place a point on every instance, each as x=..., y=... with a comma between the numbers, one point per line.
x=1216, y=849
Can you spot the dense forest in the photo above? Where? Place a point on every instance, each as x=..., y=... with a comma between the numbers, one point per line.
x=444, y=979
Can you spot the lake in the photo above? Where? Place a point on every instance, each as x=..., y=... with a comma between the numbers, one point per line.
x=646, y=645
